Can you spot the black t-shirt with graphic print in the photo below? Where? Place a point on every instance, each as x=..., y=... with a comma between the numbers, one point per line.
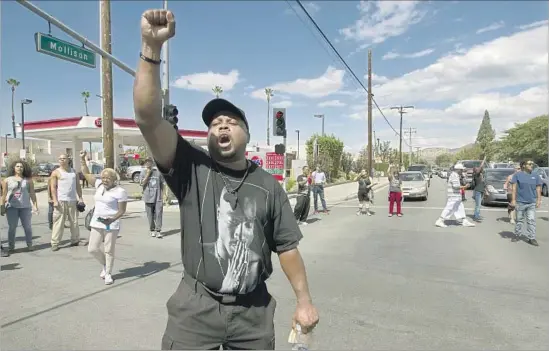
x=229, y=250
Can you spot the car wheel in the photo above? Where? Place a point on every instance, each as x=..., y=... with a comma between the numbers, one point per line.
x=136, y=176
x=544, y=190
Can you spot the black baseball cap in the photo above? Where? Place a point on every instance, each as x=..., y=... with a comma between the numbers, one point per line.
x=217, y=105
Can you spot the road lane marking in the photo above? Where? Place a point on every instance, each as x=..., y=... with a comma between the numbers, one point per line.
x=503, y=210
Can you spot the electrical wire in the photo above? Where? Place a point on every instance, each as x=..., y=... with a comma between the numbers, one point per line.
x=349, y=69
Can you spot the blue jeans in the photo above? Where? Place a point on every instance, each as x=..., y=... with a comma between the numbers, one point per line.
x=478, y=199
x=14, y=215
x=318, y=190
x=526, y=212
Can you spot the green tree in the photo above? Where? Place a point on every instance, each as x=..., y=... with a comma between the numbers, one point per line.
x=346, y=162
x=485, y=137
x=384, y=150
x=85, y=95
x=444, y=160
x=330, y=150
x=13, y=83
x=526, y=141
x=472, y=152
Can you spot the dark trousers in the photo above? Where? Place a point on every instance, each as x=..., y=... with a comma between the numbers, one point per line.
x=155, y=211
x=302, y=206
x=199, y=319
x=50, y=215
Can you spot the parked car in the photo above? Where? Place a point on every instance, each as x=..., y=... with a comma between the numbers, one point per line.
x=134, y=172
x=426, y=170
x=443, y=173
x=502, y=165
x=414, y=185
x=495, y=179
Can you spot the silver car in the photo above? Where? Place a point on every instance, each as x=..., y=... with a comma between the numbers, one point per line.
x=414, y=185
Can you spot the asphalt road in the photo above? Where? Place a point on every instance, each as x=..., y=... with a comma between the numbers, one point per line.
x=379, y=283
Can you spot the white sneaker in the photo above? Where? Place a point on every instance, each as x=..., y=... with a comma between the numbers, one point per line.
x=358, y=213
x=159, y=235
x=512, y=221
x=369, y=213
x=440, y=223
x=303, y=223
x=466, y=223
x=108, y=279
x=153, y=234
x=103, y=273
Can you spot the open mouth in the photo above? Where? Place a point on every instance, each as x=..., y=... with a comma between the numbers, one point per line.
x=224, y=141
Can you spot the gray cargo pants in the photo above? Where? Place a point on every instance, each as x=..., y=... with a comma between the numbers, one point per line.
x=155, y=211
x=199, y=319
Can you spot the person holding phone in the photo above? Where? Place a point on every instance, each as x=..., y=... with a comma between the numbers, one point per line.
x=17, y=195
x=110, y=205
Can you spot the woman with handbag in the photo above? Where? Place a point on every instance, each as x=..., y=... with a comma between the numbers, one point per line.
x=110, y=205
x=17, y=195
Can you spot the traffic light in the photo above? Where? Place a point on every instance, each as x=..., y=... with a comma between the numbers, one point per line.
x=279, y=122
x=170, y=114
x=280, y=149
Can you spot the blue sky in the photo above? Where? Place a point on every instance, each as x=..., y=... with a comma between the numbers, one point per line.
x=451, y=59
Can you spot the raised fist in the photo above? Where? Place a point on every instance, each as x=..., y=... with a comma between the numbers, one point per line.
x=157, y=26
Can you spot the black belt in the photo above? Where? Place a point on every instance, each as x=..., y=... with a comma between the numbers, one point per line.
x=229, y=299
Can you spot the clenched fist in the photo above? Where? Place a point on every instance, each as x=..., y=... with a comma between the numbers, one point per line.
x=157, y=26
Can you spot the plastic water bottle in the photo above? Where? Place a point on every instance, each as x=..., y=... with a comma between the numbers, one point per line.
x=298, y=340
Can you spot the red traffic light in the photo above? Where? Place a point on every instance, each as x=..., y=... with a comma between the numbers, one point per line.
x=279, y=114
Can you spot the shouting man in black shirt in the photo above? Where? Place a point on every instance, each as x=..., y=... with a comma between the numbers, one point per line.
x=233, y=215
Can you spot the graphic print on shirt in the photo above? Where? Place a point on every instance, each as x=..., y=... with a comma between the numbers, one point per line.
x=233, y=247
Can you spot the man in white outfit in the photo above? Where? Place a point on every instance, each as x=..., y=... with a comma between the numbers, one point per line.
x=454, y=204
x=66, y=193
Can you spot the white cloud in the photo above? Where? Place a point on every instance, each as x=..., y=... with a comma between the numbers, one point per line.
x=250, y=87
x=393, y=55
x=492, y=27
x=458, y=124
x=507, y=61
x=328, y=83
x=534, y=25
x=204, y=82
x=331, y=103
x=282, y=104
x=381, y=20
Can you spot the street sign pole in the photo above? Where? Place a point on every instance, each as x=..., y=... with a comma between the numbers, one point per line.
x=76, y=36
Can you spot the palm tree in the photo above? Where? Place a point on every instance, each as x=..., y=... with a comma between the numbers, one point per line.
x=86, y=96
x=269, y=93
x=217, y=90
x=13, y=83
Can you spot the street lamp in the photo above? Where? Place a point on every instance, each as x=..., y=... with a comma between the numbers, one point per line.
x=321, y=117
x=23, y=103
x=297, y=131
x=6, y=139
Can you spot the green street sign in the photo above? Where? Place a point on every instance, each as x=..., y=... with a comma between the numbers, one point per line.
x=52, y=46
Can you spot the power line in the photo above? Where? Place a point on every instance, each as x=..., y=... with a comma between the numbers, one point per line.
x=346, y=65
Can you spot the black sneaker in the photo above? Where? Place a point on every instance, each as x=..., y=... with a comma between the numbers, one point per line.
x=4, y=253
x=533, y=242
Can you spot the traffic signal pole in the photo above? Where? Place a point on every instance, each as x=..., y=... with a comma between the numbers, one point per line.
x=284, y=179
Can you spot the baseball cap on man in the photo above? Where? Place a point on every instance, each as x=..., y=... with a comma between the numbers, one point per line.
x=459, y=166
x=217, y=105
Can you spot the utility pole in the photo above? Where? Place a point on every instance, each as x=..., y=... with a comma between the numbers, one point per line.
x=370, y=124
x=409, y=132
x=106, y=88
x=401, y=110
x=269, y=94
x=166, y=71
x=322, y=118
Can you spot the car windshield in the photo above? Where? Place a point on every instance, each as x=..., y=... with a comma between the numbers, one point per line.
x=411, y=177
x=499, y=176
x=502, y=165
x=471, y=164
x=417, y=168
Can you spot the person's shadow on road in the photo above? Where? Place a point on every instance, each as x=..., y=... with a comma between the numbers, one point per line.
x=10, y=267
x=148, y=268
